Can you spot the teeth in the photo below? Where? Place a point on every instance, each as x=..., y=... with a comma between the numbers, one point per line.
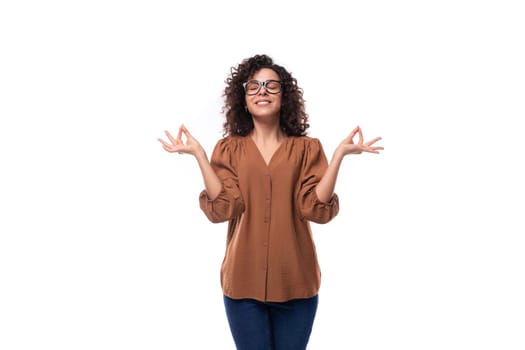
x=262, y=102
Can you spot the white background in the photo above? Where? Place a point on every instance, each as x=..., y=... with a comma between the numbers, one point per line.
x=103, y=245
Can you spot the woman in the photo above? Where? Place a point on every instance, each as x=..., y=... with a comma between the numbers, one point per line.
x=268, y=180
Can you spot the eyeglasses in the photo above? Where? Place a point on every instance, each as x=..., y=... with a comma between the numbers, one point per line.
x=252, y=87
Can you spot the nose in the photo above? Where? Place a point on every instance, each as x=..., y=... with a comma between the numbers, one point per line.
x=262, y=90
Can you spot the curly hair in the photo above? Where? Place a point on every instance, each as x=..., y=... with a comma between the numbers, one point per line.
x=293, y=119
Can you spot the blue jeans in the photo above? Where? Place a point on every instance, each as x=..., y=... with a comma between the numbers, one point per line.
x=257, y=325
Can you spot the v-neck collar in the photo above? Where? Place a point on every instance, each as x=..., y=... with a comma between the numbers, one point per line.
x=258, y=151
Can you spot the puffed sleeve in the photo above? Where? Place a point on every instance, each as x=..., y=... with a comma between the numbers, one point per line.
x=228, y=204
x=313, y=168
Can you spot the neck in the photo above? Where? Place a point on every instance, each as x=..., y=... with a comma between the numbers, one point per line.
x=264, y=133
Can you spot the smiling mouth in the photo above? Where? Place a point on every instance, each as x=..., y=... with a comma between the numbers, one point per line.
x=262, y=102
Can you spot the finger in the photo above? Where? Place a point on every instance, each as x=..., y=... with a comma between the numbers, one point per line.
x=185, y=129
x=360, y=136
x=371, y=142
x=163, y=142
x=374, y=149
x=167, y=148
x=350, y=137
x=187, y=133
x=179, y=135
x=171, y=138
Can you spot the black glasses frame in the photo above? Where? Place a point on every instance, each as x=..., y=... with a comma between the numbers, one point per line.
x=261, y=84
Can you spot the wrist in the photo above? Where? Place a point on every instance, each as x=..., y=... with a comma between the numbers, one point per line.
x=200, y=154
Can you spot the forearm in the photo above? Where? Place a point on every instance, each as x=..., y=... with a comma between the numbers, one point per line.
x=325, y=188
x=212, y=182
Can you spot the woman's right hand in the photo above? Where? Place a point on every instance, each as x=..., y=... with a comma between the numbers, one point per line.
x=192, y=146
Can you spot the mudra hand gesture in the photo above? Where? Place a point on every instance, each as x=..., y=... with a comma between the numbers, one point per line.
x=192, y=146
x=348, y=146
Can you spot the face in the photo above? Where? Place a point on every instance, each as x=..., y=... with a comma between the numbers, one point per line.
x=265, y=103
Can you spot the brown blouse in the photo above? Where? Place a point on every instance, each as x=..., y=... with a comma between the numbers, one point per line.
x=270, y=254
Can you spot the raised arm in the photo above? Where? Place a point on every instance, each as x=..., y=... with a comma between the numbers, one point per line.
x=192, y=146
x=325, y=187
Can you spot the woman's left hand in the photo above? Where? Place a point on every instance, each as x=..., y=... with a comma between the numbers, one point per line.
x=348, y=146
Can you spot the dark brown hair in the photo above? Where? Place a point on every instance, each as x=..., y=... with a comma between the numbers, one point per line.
x=293, y=119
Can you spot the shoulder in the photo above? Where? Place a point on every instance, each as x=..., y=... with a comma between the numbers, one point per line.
x=306, y=142
x=229, y=144
x=308, y=149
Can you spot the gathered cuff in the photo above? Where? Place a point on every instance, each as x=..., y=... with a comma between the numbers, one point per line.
x=224, y=207
x=334, y=200
x=321, y=212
